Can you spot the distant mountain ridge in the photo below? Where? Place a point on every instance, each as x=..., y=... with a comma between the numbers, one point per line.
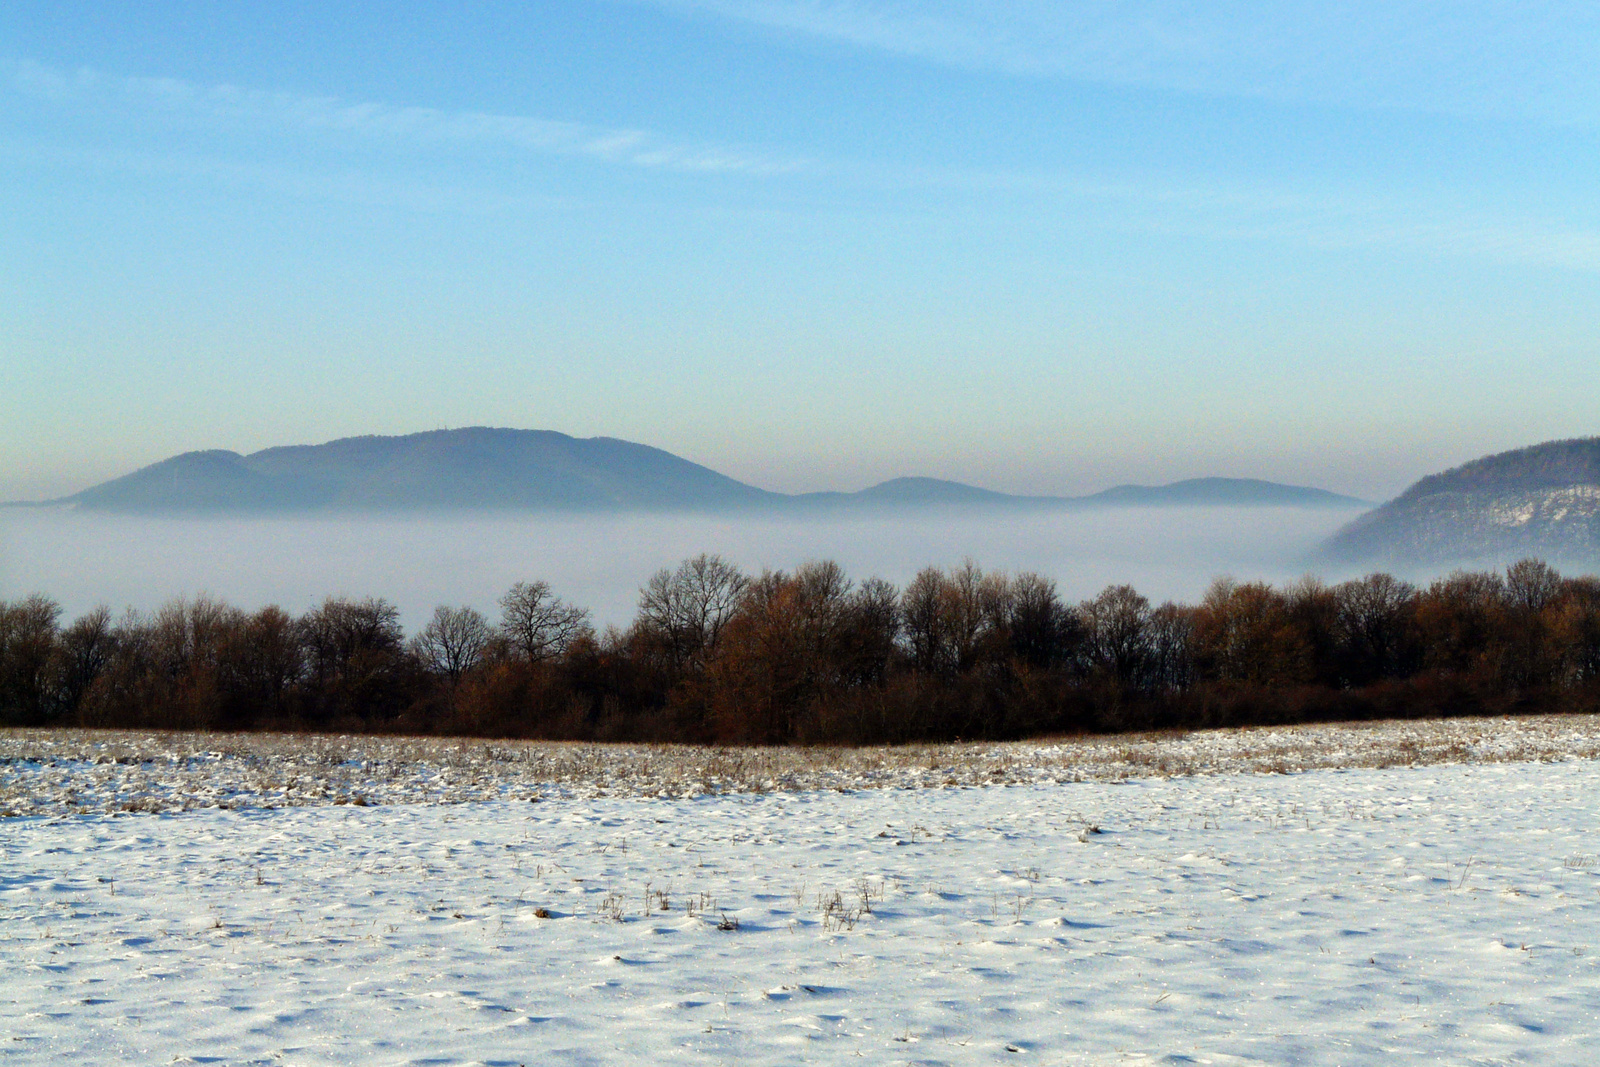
x=1241, y=492
x=478, y=467
x=489, y=468
x=1543, y=500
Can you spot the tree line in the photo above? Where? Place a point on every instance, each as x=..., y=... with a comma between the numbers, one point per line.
x=715, y=655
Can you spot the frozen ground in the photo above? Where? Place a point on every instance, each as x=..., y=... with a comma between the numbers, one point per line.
x=1424, y=913
x=51, y=772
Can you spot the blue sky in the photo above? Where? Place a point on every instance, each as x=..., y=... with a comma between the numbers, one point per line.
x=1038, y=246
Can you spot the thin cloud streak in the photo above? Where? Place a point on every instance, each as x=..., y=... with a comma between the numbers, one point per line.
x=1480, y=58
x=1329, y=221
x=418, y=126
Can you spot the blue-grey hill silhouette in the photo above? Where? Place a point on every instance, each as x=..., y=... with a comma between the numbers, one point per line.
x=482, y=468
x=1543, y=500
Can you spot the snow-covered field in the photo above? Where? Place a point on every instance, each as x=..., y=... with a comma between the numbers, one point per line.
x=771, y=907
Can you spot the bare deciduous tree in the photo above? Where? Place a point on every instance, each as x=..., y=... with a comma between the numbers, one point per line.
x=1458, y=618
x=872, y=630
x=954, y=620
x=265, y=661
x=684, y=611
x=453, y=641
x=1117, y=633
x=537, y=624
x=1171, y=663
x=1247, y=633
x=345, y=636
x=188, y=633
x=27, y=640
x=1531, y=584
x=922, y=617
x=357, y=664
x=1373, y=617
x=1040, y=627
x=82, y=654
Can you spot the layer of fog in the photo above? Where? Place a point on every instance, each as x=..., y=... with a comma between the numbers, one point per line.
x=600, y=562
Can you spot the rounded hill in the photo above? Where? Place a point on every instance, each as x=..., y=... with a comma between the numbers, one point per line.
x=1543, y=500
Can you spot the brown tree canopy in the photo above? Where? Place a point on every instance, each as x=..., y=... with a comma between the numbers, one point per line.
x=716, y=655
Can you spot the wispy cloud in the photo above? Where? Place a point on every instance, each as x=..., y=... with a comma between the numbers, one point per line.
x=1231, y=211
x=413, y=126
x=353, y=186
x=1521, y=59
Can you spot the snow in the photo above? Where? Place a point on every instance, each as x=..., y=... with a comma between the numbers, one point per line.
x=1444, y=911
x=51, y=772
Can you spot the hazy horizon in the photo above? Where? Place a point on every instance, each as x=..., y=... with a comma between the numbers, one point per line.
x=428, y=504
x=600, y=562
x=34, y=486
x=1040, y=248
x=25, y=486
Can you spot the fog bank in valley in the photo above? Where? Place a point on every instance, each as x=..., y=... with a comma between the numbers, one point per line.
x=600, y=562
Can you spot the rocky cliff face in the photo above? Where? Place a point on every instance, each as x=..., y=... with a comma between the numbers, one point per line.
x=1542, y=501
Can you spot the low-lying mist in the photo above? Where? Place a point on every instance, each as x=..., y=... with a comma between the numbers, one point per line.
x=599, y=562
